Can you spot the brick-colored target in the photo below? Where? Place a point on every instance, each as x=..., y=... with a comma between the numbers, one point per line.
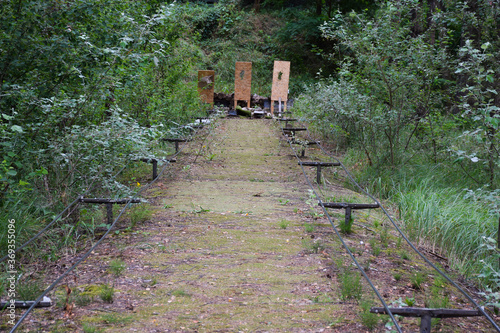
x=242, y=82
x=281, y=76
x=206, y=80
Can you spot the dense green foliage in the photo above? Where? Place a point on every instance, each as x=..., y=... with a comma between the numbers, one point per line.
x=415, y=104
x=86, y=86
x=407, y=89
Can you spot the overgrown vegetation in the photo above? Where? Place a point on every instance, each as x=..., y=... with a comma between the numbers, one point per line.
x=414, y=106
x=89, y=87
x=407, y=90
x=83, y=92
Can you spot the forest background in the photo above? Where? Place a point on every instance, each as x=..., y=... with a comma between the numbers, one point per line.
x=406, y=92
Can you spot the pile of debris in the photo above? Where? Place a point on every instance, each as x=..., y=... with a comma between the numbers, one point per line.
x=256, y=112
x=227, y=100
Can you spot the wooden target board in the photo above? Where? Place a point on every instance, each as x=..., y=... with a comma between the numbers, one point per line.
x=242, y=82
x=281, y=76
x=206, y=80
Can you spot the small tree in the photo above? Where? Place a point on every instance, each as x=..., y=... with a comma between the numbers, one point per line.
x=479, y=109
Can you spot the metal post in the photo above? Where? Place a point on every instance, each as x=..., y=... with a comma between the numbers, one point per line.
x=155, y=169
x=425, y=324
x=109, y=210
x=347, y=217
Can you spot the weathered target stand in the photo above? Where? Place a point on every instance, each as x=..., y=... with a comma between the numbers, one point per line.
x=176, y=142
x=154, y=162
x=318, y=166
x=281, y=77
x=242, y=82
x=206, y=80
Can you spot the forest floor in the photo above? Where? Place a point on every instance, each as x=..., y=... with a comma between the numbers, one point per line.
x=236, y=243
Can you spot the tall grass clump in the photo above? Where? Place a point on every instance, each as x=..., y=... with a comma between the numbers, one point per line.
x=445, y=218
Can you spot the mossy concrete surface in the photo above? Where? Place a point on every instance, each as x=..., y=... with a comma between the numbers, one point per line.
x=214, y=257
x=228, y=266
x=237, y=243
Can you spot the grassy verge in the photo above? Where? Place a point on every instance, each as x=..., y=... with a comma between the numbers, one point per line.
x=437, y=211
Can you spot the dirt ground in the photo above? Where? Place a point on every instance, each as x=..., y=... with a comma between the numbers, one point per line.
x=236, y=243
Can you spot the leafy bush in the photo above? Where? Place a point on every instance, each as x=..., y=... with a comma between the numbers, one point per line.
x=382, y=92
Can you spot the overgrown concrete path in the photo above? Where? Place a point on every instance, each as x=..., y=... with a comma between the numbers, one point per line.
x=235, y=244
x=226, y=251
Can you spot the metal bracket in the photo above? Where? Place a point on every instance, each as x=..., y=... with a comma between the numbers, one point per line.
x=426, y=314
x=348, y=207
x=109, y=204
x=176, y=141
x=318, y=166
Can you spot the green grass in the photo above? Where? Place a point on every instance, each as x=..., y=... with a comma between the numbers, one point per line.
x=346, y=228
x=89, y=328
x=368, y=319
x=433, y=209
x=375, y=247
x=117, y=267
x=29, y=290
x=140, y=213
x=308, y=227
x=445, y=219
x=404, y=255
x=284, y=224
x=180, y=293
x=107, y=293
x=350, y=285
x=313, y=247
x=417, y=280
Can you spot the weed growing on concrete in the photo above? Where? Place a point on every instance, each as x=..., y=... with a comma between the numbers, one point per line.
x=398, y=242
x=346, y=228
x=89, y=328
x=82, y=299
x=368, y=319
x=350, y=285
x=180, y=293
x=284, y=224
x=117, y=267
x=384, y=237
x=417, y=280
x=107, y=293
x=283, y=202
x=313, y=247
x=404, y=255
x=375, y=247
x=140, y=213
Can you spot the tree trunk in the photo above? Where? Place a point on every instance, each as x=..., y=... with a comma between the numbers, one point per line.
x=319, y=4
x=256, y=6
